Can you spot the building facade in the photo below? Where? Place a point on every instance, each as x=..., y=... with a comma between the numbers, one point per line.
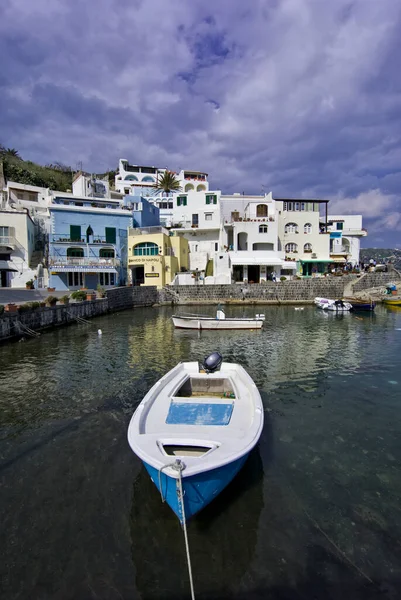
x=346, y=232
x=17, y=242
x=155, y=256
x=88, y=243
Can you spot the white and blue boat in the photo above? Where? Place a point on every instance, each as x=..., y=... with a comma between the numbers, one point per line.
x=194, y=430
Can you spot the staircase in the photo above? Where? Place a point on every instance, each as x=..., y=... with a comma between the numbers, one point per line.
x=36, y=259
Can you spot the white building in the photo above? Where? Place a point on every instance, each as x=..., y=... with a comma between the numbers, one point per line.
x=301, y=236
x=346, y=232
x=136, y=180
x=17, y=242
x=250, y=237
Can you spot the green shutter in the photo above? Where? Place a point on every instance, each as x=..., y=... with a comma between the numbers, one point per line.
x=75, y=233
x=178, y=201
x=207, y=199
x=185, y=200
x=110, y=235
x=214, y=199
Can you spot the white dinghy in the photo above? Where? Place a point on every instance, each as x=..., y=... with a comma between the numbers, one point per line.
x=218, y=322
x=194, y=430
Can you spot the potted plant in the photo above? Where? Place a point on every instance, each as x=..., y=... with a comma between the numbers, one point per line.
x=51, y=300
x=64, y=299
x=282, y=278
x=11, y=308
x=79, y=295
x=101, y=292
x=49, y=289
x=29, y=285
x=90, y=295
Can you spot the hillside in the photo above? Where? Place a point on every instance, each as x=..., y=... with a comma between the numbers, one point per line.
x=381, y=255
x=55, y=176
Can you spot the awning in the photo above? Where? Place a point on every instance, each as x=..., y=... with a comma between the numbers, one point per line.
x=255, y=258
x=339, y=259
x=86, y=269
x=7, y=266
x=316, y=260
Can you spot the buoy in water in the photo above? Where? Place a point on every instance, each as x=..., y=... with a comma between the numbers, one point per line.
x=99, y=332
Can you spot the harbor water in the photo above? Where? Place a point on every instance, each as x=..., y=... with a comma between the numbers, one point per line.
x=314, y=514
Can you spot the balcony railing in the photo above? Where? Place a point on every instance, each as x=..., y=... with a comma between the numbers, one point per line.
x=147, y=230
x=65, y=238
x=85, y=261
x=8, y=240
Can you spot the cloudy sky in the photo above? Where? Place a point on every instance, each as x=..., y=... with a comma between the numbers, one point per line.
x=301, y=97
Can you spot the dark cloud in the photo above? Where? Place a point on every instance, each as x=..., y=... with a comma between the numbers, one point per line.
x=299, y=97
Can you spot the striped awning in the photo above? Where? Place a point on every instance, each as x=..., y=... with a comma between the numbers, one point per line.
x=85, y=269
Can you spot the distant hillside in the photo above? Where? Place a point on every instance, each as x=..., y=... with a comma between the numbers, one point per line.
x=55, y=176
x=381, y=255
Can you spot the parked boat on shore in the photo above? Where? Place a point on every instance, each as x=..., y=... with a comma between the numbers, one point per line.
x=392, y=301
x=194, y=430
x=188, y=321
x=360, y=304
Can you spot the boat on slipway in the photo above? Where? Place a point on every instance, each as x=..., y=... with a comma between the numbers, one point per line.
x=220, y=321
x=194, y=430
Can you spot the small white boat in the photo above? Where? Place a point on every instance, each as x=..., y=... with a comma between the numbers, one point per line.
x=194, y=430
x=333, y=305
x=218, y=322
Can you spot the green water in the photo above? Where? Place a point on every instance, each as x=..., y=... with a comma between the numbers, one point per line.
x=315, y=512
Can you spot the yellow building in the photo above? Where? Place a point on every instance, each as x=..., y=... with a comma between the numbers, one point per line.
x=155, y=256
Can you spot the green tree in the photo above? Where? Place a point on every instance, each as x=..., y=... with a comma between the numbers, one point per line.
x=168, y=183
x=11, y=152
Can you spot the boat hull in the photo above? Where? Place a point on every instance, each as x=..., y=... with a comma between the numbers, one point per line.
x=199, y=490
x=393, y=302
x=204, y=323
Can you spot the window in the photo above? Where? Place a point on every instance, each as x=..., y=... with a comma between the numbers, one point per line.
x=297, y=206
x=308, y=228
x=110, y=235
x=291, y=247
x=75, y=252
x=235, y=216
x=75, y=233
x=131, y=178
x=170, y=205
x=106, y=253
x=291, y=228
x=107, y=278
x=208, y=216
x=216, y=246
x=149, y=179
x=195, y=220
x=211, y=199
x=4, y=231
x=261, y=210
x=181, y=200
x=126, y=190
x=33, y=197
x=308, y=247
x=302, y=205
x=20, y=196
x=75, y=279
x=146, y=249
x=340, y=226
x=262, y=228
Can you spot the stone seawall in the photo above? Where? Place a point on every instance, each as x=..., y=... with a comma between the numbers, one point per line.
x=373, y=280
x=298, y=291
x=122, y=298
x=16, y=324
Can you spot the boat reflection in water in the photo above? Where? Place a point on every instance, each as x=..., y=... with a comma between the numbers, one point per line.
x=222, y=538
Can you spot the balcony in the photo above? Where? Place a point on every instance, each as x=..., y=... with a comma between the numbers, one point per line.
x=8, y=241
x=147, y=230
x=246, y=219
x=86, y=261
x=340, y=250
x=65, y=238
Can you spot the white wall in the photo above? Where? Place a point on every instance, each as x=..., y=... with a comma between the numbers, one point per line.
x=320, y=242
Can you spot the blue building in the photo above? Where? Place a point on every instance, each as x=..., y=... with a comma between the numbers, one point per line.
x=145, y=213
x=88, y=242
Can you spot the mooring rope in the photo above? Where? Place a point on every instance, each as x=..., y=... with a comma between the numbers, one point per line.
x=180, y=467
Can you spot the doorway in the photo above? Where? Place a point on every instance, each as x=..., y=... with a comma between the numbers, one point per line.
x=253, y=273
x=138, y=275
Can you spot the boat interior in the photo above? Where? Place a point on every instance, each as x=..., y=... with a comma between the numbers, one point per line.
x=205, y=387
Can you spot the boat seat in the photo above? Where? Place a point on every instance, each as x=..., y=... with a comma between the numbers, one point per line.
x=200, y=413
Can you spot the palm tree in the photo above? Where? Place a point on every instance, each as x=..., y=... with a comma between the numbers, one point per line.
x=11, y=152
x=167, y=182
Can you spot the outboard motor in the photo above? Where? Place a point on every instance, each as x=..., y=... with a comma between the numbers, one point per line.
x=212, y=362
